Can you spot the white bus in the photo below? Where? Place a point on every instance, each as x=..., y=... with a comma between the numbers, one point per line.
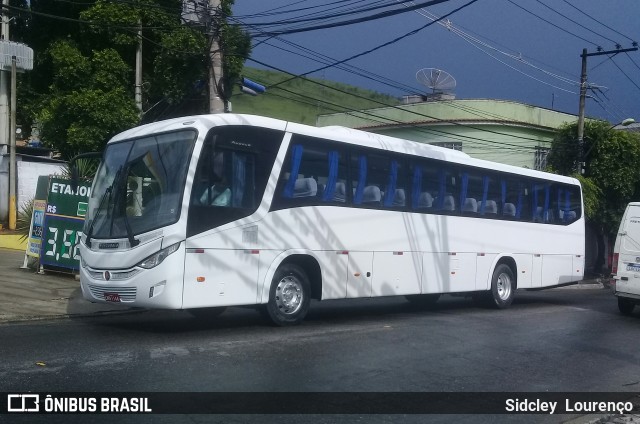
x=211, y=211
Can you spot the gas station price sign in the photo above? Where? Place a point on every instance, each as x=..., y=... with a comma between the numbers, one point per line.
x=64, y=219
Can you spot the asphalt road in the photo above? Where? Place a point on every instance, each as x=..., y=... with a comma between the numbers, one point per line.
x=562, y=340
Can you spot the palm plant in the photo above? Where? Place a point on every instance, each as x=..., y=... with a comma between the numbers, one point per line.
x=23, y=220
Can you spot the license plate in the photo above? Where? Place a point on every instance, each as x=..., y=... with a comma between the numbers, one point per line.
x=112, y=297
x=633, y=267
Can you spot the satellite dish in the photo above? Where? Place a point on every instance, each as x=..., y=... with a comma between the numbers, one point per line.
x=437, y=80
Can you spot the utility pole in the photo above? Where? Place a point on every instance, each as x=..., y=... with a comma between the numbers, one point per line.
x=216, y=103
x=4, y=81
x=12, y=152
x=138, y=86
x=583, y=94
x=5, y=134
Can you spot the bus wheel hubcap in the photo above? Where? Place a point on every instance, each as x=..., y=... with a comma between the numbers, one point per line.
x=289, y=295
x=503, y=286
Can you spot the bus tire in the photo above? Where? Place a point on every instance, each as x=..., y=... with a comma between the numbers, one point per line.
x=625, y=306
x=503, y=287
x=207, y=314
x=423, y=300
x=289, y=296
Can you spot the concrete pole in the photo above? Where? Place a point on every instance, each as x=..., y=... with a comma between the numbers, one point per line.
x=4, y=113
x=583, y=95
x=216, y=104
x=4, y=82
x=138, y=86
x=12, y=151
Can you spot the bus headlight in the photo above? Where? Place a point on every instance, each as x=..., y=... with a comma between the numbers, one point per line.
x=157, y=258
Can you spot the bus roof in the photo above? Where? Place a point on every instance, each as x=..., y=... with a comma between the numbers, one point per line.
x=203, y=123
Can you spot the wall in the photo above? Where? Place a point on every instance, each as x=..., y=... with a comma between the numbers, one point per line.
x=27, y=179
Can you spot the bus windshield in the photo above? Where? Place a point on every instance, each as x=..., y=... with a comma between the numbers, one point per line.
x=139, y=185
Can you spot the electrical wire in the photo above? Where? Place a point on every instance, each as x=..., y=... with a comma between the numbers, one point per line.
x=395, y=40
x=577, y=23
x=369, y=75
x=400, y=108
x=551, y=23
x=358, y=20
x=624, y=73
x=596, y=20
x=474, y=40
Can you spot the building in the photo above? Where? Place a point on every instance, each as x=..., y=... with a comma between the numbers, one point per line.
x=498, y=130
x=31, y=162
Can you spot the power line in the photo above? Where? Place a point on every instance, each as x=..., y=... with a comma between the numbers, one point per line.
x=383, y=44
x=360, y=20
x=369, y=75
x=388, y=120
x=473, y=42
x=576, y=22
x=333, y=14
x=596, y=20
x=551, y=23
x=632, y=61
x=400, y=108
x=624, y=73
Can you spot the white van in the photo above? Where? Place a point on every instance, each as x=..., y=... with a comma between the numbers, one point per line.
x=625, y=271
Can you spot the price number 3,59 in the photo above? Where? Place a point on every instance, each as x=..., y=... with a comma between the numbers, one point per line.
x=67, y=247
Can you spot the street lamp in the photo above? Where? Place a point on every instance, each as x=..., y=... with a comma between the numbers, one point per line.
x=623, y=123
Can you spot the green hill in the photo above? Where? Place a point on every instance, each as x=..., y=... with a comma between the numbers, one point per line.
x=301, y=100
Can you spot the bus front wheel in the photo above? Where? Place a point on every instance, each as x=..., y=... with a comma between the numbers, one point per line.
x=289, y=296
x=503, y=287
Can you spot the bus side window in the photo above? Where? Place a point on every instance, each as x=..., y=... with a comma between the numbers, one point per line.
x=313, y=173
x=333, y=179
x=424, y=183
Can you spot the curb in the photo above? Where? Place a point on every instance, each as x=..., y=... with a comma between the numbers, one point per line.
x=13, y=242
x=97, y=314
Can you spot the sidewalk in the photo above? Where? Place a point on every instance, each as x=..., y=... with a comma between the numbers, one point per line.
x=27, y=295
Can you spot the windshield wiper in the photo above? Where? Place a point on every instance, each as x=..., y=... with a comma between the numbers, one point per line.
x=114, y=189
x=123, y=186
x=107, y=192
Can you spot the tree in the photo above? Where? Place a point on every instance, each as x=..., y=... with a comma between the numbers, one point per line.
x=82, y=86
x=611, y=178
x=88, y=101
x=175, y=55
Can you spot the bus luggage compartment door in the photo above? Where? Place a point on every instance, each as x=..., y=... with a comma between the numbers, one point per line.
x=396, y=273
x=359, y=273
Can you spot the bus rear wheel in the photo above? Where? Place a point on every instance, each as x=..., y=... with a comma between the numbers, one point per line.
x=625, y=306
x=503, y=287
x=289, y=296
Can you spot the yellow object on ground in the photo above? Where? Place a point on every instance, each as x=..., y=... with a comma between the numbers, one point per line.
x=12, y=241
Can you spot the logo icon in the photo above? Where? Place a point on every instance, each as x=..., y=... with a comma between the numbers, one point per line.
x=23, y=403
x=107, y=275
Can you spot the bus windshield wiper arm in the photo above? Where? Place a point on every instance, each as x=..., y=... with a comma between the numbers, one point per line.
x=123, y=185
x=108, y=193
